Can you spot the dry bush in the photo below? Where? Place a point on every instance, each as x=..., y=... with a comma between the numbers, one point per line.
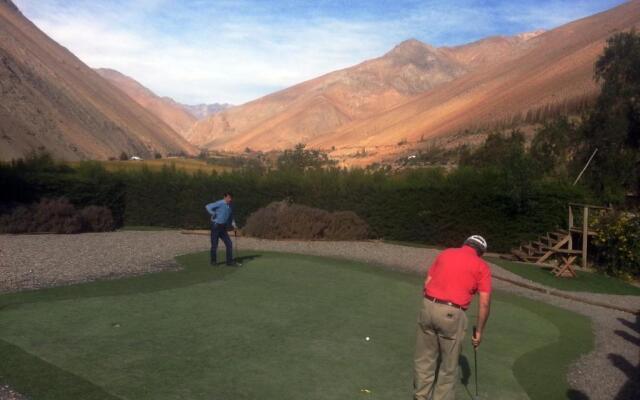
x=346, y=225
x=97, y=219
x=19, y=221
x=56, y=216
x=281, y=220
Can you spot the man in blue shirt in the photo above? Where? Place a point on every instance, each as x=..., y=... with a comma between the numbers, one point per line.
x=221, y=218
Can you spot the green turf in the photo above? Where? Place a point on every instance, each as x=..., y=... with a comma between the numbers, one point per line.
x=280, y=327
x=584, y=282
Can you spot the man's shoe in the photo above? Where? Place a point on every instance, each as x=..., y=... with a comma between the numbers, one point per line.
x=213, y=263
x=234, y=264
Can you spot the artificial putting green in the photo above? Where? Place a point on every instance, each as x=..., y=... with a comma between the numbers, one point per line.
x=585, y=281
x=281, y=327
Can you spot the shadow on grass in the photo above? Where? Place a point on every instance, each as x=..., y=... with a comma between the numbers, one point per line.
x=631, y=389
x=196, y=269
x=573, y=394
x=465, y=374
x=24, y=371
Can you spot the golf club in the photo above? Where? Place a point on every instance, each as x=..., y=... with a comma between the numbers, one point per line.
x=475, y=363
x=235, y=244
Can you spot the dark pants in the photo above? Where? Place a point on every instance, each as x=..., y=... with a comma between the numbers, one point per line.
x=220, y=232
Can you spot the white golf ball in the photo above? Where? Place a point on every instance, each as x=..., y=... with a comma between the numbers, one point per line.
x=367, y=338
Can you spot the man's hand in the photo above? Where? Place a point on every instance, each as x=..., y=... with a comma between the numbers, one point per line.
x=484, y=308
x=476, y=338
x=233, y=224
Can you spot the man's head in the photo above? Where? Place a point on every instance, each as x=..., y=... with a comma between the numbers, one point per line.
x=478, y=243
x=228, y=197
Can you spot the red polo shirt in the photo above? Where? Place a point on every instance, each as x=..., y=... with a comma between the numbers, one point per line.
x=456, y=275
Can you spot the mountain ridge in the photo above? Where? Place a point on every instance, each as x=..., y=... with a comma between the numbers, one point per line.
x=477, y=84
x=51, y=100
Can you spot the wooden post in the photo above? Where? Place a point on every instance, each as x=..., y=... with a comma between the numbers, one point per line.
x=570, y=217
x=585, y=235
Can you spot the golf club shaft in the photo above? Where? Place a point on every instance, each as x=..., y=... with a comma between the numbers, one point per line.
x=475, y=361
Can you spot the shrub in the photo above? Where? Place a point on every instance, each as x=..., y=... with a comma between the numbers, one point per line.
x=617, y=242
x=282, y=220
x=97, y=219
x=56, y=216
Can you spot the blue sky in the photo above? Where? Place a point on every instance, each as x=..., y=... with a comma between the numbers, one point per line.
x=237, y=50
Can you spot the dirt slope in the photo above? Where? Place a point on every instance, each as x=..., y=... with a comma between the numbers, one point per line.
x=307, y=111
x=50, y=100
x=418, y=92
x=312, y=108
x=167, y=110
x=555, y=68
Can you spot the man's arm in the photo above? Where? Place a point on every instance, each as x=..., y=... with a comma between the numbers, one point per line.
x=484, y=308
x=212, y=207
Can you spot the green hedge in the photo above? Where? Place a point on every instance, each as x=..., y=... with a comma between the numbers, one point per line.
x=424, y=206
x=428, y=206
x=86, y=186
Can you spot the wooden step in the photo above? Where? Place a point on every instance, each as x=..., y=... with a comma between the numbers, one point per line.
x=548, y=239
x=531, y=250
x=522, y=256
x=559, y=234
x=541, y=246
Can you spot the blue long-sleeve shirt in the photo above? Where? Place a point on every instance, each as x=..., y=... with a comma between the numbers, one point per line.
x=221, y=212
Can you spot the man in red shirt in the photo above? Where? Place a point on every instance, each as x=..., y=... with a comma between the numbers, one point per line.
x=455, y=276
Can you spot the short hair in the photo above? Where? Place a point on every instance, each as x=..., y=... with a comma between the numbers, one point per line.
x=228, y=194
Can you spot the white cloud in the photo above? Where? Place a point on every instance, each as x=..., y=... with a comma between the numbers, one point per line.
x=230, y=52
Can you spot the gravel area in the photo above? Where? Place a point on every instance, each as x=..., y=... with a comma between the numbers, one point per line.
x=35, y=261
x=7, y=394
x=611, y=371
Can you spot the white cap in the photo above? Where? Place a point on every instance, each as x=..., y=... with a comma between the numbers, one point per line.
x=477, y=240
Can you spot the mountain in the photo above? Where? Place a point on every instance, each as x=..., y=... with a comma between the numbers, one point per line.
x=312, y=109
x=417, y=92
x=167, y=110
x=554, y=68
x=50, y=100
x=201, y=111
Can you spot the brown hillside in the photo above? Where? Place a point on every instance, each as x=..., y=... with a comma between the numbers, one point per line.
x=170, y=112
x=419, y=92
x=557, y=68
x=49, y=99
x=312, y=109
x=318, y=106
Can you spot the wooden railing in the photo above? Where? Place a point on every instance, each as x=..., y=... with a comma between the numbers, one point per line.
x=583, y=224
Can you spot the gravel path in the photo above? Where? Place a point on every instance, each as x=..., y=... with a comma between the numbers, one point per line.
x=7, y=394
x=611, y=371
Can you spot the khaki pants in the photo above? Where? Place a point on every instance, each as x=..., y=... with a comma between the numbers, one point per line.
x=441, y=330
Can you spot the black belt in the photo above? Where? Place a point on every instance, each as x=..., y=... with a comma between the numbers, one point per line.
x=445, y=302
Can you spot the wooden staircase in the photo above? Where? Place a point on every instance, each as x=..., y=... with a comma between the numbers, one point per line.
x=556, y=248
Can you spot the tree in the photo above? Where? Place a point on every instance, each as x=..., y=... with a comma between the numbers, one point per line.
x=507, y=157
x=554, y=146
x=498, y=150
x=299, y=158
x=124, y=156
x=613, y=127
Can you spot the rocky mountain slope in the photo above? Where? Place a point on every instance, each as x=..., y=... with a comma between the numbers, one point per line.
x=50, y=100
